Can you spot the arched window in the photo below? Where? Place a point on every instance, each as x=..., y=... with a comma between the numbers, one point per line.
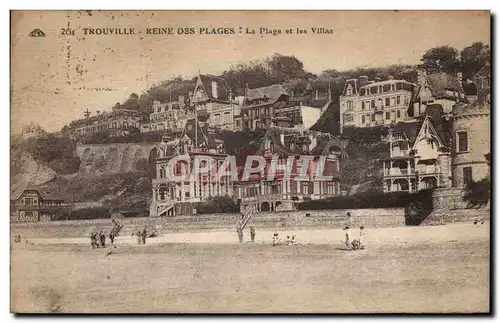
x=162, y=172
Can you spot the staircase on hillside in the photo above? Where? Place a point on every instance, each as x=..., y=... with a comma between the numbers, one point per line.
x=161, y=208
x=251, y=211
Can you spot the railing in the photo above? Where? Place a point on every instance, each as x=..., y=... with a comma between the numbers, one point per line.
x=399, y=171
x=432, y=170
x=401, y=153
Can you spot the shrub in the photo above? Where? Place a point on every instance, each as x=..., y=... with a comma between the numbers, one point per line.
x=218, y=204
x=477, y=194
x=369, y=199
x=90, y=213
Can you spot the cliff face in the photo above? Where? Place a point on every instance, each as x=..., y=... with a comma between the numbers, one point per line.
x=29, y=170
x=106, y=159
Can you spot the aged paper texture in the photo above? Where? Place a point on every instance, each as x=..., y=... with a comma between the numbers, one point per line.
x=250, y=161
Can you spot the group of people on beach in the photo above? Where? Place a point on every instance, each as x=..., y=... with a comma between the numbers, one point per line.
x=98, y=240
x=289, y=241
x=239, y=230
x=141, y=236
x=350, y=242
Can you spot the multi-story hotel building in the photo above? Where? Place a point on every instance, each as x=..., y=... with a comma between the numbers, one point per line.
x=285, y=193
x=179, y=195
x=365, y=103
x=167, y=116
x=116, y=123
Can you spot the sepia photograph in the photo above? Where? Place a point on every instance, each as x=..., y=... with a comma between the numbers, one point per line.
x=253, y=162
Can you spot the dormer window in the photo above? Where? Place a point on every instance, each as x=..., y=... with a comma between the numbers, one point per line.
x=349, y=89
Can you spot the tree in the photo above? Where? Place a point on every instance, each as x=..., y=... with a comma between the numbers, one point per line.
x=473, y=57
x=282, y=68
x=441, y=59
x=477, y=194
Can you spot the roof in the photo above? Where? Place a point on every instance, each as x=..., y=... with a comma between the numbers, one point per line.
x=197, y=134
x=223, y=89
x=393, y=81
x=324, y=141
x=485, y=71
x=439, y=83
x=410, y=129
x=45, y=194
x=476, y=108
x=470, y=89
x=434, y=114
x=272, y=93
x=354, y=85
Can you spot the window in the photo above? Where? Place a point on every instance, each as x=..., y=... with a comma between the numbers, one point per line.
x=28, y=201
x=462, y=141
x=373, y=117
x=362, y=105
x=372, y=105
x=362, y=119
x=467, y=172
x=398, y=100
x=398, y=113
x=387, y=115
x=393, y=101
x=387, y=102
x=349, y=105
x=348, y=118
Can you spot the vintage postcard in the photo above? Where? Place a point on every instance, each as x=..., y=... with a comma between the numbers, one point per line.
x=250, y=161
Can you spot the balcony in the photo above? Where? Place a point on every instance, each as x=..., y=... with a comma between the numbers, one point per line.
x=400, y=153
x=399, y=172
x=428, y=170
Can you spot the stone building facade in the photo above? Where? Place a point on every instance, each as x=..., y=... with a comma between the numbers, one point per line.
x=471, y=135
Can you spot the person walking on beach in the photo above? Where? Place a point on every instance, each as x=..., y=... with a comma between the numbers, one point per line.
x=252, y=234
x=143, y=235
x=240, y=235
x=102, y=238
x=349, y=220
x=112, y=236
x=138, y=235
x=93, y=240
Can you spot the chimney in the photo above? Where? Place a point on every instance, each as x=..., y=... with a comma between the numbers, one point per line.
x=246, y=90
x=459, y=77
x=421, y=76
x=182, y=102
x=363, y=80
x=214, y=90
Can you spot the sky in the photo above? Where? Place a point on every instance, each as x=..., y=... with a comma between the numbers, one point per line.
x=56, y=77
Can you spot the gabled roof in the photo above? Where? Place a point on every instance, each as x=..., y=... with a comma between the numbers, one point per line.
x=410, y=129
x=269, y=93
x=439, y=83
x=427, y=130
x=17, y=191
x=485, y=71
x=197, y=135
x=223, y=89
x=353, y=83
x=324, y=141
